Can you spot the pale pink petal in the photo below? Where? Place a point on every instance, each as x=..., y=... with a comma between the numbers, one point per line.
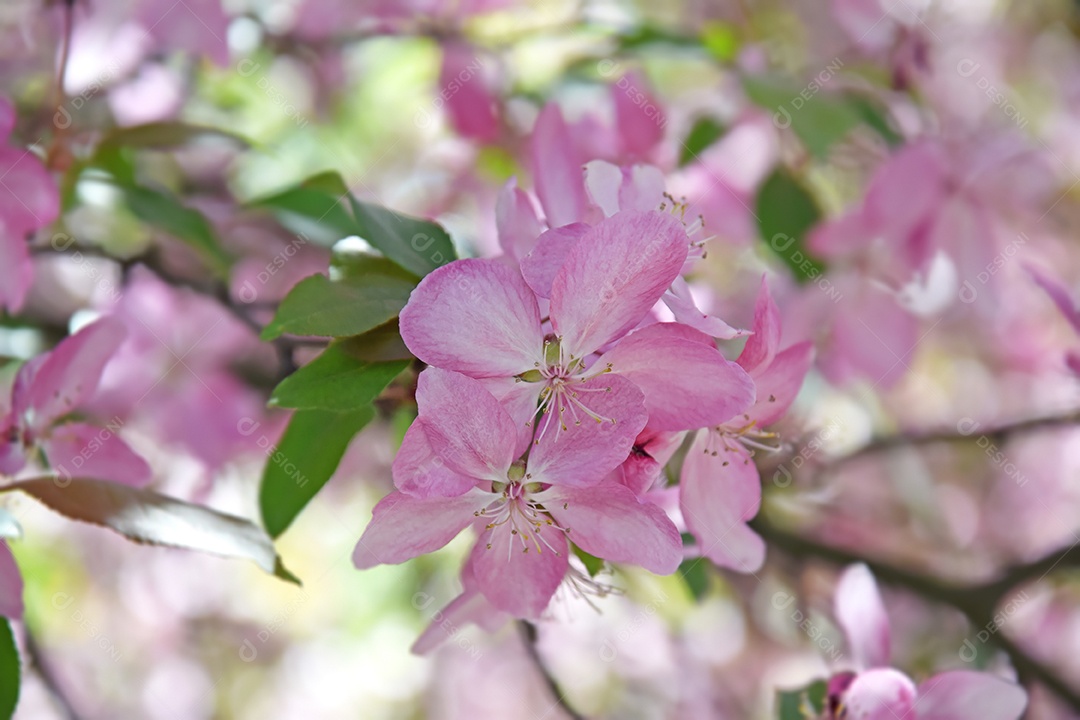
x=77, y=450
x=557, y=174
x=608, y=521
x=465, y=425
x=70, y=372
x=29, y=198
x=763, y=344
x=467, y=608
x=840, y=236
x=11, y=585
x=880, y=694
x=403, y=527
x=967, y=695
x=587, y=450
x=471, y=105
x=905, y=192
x=873, y=337
x=638, y=473
x=419, y=472
x=519, y=400
x=16, y=269
x=687, y=384
x=516, y=221
x=1058, y=293
x=862, y=617
x=681, y=302
x=545, y=260
x=642, y=188
x=718, y=494
x=603, y=182
x=638, y=116
x=7, y=118
x=514, y=575
x=477, y=317
x=779, y=383
x=613, y=276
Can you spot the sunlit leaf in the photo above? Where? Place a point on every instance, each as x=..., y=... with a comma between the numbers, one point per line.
x=417, y=245
x=336, y=380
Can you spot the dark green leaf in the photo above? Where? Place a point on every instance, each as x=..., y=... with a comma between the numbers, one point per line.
x=148, y=517
x=818, y=118
x=417, y=245
x=651, y=34
x=786, y=211
x=166, y=213
x=592, y=563
x=302, y=462
x=806, y=703
x=319, y=207
x=874, y=116
x=351, y=306
x=704, y=133
x=695, y=573
x=379, y=345
x=162, y=136
x=336, y=380
x=10, y=671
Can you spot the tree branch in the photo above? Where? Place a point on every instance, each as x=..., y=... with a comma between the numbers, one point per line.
x=528, y=638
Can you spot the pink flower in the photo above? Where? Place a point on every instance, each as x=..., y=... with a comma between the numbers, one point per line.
x=29, y=201
x=720, y=488
x=472, y=107
x=874, y=691
x=1062, y=298
x=482, y=319
x=51, y=387
x=11, y=585
x=524, y=510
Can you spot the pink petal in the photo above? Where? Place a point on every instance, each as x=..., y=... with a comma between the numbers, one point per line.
x=603, y=181
x=840, y=236
x=716, y=501
x=403, y=527
x=69, y=374
x=557, y=169
x=470, y=104
x=966, y=695
x=881, y=694
x=862, y=617
x=16, y=269
x=905, y=191
x=77, y=450
x=638, y=117
x=515, y=581
x=29, y=199
x=465, y=425
x=419, y=472
x=683, y=306
x=7, y=118
x=541, y=265
x=687, y=384
x=638, y=473
x=873, y=337
x=779, y=383
x=614, y=188
x=519, y=400
x=516, y=221
x=468, y=607
x=11, y=585
x=608, y=521
x=583, y=454
x=1059, y=294
x=477, y=317
x=762, y=345
x=613, y=276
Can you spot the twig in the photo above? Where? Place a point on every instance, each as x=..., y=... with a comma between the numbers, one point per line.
x=528, y=636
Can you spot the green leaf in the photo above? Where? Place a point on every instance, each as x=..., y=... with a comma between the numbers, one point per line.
x=786, y=211
x=721, y=40
x=417, y=245
x=806, y=703
x=166, y=213
x=818, y=118
x=351, y=306
x=144, y=516
x=336, y=380
x=704, y=133
x=318, y=207
x=10, y=670
x=302, y=462
x=592, y=563
x=874, y=116
x=379, y=345
x=163, y=136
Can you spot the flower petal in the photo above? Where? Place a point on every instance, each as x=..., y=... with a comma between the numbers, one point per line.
x=515, y=581
x=762, y=345
x=78, y=450
x=403, y=527
x=465, y=425
x=613, y=276
x=476, y=317
x=582, y=451
x=16, y=269
x=717, y=495
x=608, y=521
x=11, y=585
x=682, y=305
x=70, y=372
x=419, y=472
x=516, y=221
x=687, y=384
x=862, y=617
x=541, y=265
x=557, y=169
x=469, y=103
x=881, y=694
x=779, y=383
x=965, y=695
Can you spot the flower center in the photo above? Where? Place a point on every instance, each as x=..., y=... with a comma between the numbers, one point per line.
x=733, y=434
x=562, y=376
x=519, y=518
